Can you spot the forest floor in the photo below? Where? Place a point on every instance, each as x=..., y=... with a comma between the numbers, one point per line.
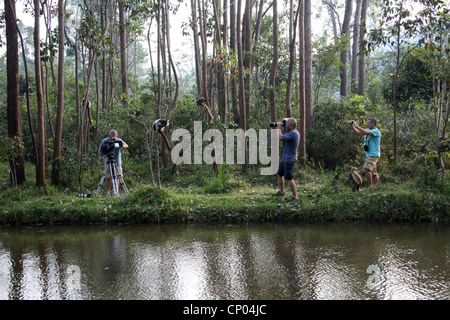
x=197, y=195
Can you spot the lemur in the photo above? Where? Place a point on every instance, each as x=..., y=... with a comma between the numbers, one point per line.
x=159, y=126
x=203, y=102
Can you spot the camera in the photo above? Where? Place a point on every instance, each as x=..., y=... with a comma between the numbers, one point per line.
x=109, y=146
x=275, y=124
x=351, y=122
x=366, y=147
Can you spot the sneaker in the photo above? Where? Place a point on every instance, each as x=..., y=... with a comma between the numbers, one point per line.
x=294, y=200
x=279, y=194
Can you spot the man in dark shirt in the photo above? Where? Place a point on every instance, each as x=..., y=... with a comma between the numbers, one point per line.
x=291, y=141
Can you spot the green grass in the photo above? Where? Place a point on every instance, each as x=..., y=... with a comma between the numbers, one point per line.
x=196, y=194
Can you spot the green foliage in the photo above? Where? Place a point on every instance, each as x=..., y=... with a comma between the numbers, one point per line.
x=10, y=148
x=218, y=183
x=331, y=141
x=414, y=81
x=428, y=176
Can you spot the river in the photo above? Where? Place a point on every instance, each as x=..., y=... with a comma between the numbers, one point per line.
x=261, y=261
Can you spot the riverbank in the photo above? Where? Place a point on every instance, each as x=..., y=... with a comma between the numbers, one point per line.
x=322, y=200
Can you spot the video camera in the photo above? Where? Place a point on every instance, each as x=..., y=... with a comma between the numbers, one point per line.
x=275, y=124
x=109, y=146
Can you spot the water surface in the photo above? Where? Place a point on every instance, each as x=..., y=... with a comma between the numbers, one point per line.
x=292, y=261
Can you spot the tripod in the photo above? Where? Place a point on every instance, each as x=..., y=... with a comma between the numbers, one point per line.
x=115, y=175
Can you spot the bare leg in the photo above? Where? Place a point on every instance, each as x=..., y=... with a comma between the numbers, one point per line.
x=293, y=188
x=376, y=179
x=368, y=175
x=281, y=182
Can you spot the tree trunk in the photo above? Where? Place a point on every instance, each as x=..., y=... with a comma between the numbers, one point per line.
x=198, y=72
x=56, y=167
x=123, y=53
x=224, y=97
x=104, y=23
x=344, y=52
x=40, y=164
x=233, y=46
x=247, y=52
x=292, y=36
x=221, y=42
x=242, y=109
x=355, y=46
x=301, y=87
x=204, y=62
x=361, y=61
x=175, y=97
x=273, y=70
x=308, y=65
x=13, y=109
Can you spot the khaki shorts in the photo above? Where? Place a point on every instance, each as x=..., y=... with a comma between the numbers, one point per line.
x=371, y=165
x=108, y=171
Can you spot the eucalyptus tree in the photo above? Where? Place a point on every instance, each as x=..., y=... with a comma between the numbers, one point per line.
x=355, y=45
x=433, y=25
x=394, y=32
x=41, y=141
x=308, y=65
x=361, y=59
x=56, y=166
x=344, y=53
x=16, y=160
x=273, y=70
x=301, y=85
x=292, y=36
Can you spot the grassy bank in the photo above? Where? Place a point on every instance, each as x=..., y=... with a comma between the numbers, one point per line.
x=196, y=195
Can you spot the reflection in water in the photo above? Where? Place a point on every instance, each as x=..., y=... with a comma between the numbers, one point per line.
x=336, y=261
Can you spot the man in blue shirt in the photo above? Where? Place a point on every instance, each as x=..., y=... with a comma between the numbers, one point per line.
x=291, y=141
x=117, y=158
x=371, y=148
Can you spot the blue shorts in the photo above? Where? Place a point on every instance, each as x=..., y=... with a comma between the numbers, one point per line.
x=286, y=170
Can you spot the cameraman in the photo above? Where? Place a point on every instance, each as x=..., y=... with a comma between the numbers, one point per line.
x=291, y=141
x=371, y=148
x=117, y=157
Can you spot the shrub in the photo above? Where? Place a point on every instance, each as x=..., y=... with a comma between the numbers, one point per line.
x=331, y=141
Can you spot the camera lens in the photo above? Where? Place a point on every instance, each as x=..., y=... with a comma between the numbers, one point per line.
x=273, y=124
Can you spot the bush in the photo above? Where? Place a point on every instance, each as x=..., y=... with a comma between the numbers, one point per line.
x=219, y=183
x=331, y=141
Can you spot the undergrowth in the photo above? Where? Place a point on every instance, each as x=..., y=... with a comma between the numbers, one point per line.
x=202, y=194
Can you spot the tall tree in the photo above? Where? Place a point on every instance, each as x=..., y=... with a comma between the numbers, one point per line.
x=40, y=163
x=221, y=42
x=123, y=52
x=242, y=109
x=344, y=53
x=355, y=45
x=292, y=36
x=361, y=61
x=233, y=47
x=273, y=69
x=308, y=65
x=247, y=51
x=56, y=167
x=202, y=26
x=395, y=24
x=301, y=85
x=13, y=110
x=195, y=32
